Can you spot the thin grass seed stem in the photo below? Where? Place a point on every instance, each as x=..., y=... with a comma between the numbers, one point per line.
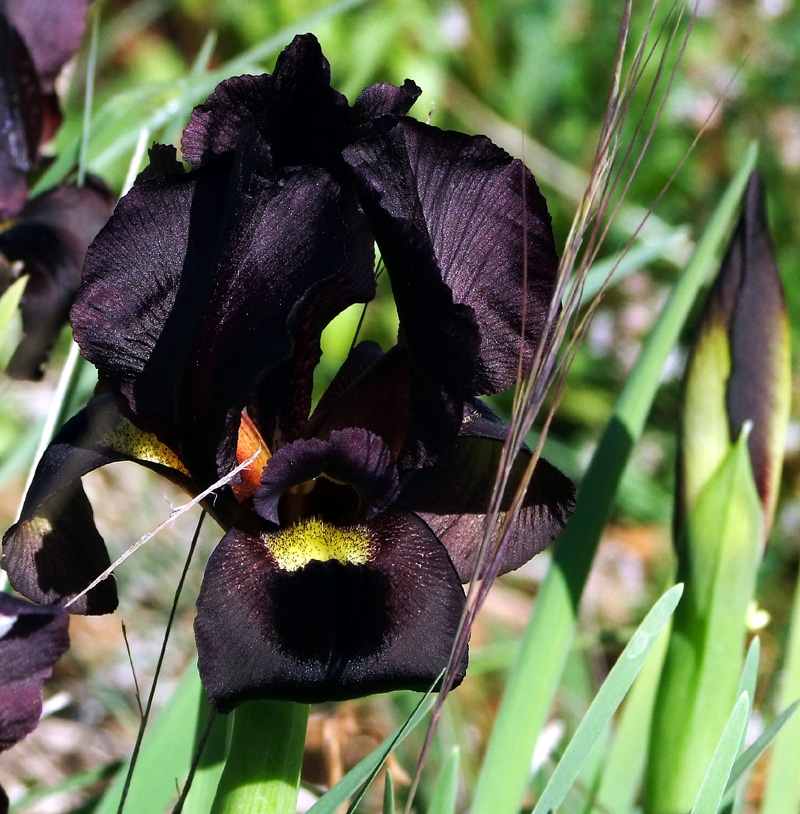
x=136, y=691
x=173, y=515
x=528, y=402
x=511, y=447
x=159, y=663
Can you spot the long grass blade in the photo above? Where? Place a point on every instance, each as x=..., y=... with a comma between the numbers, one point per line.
x=607, y=700
x=747, y=760
x=709, y=798
x=622, y=773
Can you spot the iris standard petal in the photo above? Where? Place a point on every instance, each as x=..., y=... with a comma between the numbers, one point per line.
x=54, y=551
x=299, y=115
x=32, y=639
x=289, y=264
x=142, y=281
x=352, y=463
x=373, y=393
x=50, y=236
x=272, y=625
x=192, y=291
x=360, y=359
x=457, y=209
x=295, y=110
x=467, y=242
x=454, y=495
x=282, y=400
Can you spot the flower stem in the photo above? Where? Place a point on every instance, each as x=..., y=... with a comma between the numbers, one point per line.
x=262, y=773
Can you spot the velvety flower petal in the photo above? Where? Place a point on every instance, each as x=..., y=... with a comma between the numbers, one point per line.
x=360, y=359
x=462, y=228
x=32, y=639
x=50, y=236
x=282, y=400
x=384, y=100
x=54, y=555
x=352, y=459
x=376, y=400
x=52, y=32
x=54, y=551
x=191, y=292
x=125, y=309
x=295, y=110
x=270, y=626
x=297, y=113
x=21, y=118
x=454, y=495
x=144, y=277
x=288, y=268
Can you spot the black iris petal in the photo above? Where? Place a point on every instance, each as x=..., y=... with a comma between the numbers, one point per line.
x=331, y=613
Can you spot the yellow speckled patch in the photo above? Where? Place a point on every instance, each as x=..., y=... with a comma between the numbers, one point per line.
x=142, y=446
x=40, y=526
x=313, y=539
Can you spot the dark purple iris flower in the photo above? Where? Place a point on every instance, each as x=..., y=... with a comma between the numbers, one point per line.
x=47, y=234
x=32, y=639
x=202, y=306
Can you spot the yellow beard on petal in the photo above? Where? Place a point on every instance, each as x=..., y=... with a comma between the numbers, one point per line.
x=295, y=547
x=142, y=446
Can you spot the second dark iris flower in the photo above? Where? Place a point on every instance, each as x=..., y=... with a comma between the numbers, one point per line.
x=202, y=306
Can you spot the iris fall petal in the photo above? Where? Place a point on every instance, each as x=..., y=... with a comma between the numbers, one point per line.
x=32, y=639
x=453, y=497
x=54, y=551
x=328, y=630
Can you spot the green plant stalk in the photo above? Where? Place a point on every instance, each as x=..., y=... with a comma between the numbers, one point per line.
x=262, y=773
x=548, y=637
x=706, y=650
x=445, y=792
x=782, y=794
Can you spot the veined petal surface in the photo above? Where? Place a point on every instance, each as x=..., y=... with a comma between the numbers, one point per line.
x=328, y=630
x=453, y=497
